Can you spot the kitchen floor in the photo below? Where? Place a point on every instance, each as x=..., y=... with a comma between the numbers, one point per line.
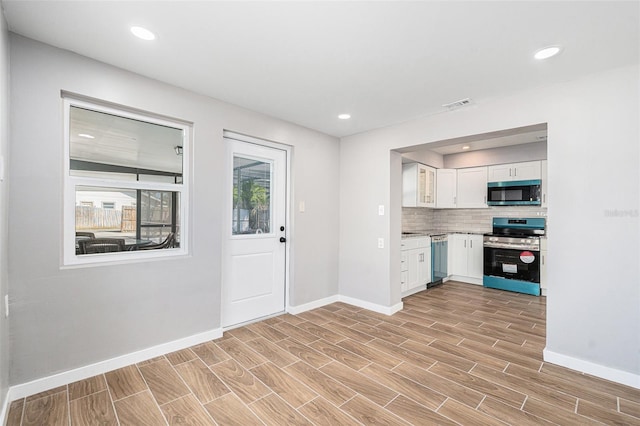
x=456, y=354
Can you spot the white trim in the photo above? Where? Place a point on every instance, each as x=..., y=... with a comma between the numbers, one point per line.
x=386, y=310
x=70, y=376
x=468, y=280
x=5, y=406
x=295, y=310
x=608, y=373
x=414, y=290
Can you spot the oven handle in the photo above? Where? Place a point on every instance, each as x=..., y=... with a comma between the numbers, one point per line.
x=512, y=247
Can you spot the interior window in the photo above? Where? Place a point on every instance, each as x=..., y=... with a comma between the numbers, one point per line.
x=125, y=182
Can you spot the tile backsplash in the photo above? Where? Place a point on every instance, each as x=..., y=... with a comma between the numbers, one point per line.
x=462, y=220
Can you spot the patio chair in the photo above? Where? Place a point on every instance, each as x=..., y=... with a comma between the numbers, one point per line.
x=168, y=242
x=101, y=245
x=82, y=234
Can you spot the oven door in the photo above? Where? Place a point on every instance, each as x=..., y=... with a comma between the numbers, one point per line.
x=514, y=264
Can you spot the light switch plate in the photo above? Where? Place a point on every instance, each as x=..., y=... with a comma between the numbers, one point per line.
x=302, y=207
x=381, y=210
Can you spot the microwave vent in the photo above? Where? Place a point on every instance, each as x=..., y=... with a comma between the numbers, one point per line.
x=458, y=104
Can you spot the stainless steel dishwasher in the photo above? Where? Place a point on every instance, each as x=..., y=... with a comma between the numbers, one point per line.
x=439, y=258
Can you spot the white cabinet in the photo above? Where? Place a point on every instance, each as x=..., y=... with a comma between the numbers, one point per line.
x=514, y=171
x=446, y=188
x=472, y=188
x=416, y=265
x=543, y=265
x=466, y=256
x=543, y=186
x=418, y=185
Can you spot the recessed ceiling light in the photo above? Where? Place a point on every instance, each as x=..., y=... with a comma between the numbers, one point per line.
x=344, y=116
x=143, y=33
x=466, y=147
x=86, y=135
x=547, y=52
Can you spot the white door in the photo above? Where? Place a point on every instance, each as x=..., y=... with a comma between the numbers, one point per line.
x=255, y=251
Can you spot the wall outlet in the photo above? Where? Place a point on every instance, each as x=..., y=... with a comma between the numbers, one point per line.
x=302, y=207
x=380, y=242
x=381, y=210
x=6, y=306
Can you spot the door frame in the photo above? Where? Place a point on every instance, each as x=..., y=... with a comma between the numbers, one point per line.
x=226, y=227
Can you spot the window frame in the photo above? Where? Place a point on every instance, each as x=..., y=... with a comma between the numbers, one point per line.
x=69, y=257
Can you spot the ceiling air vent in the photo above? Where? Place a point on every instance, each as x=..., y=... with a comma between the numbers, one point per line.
x=458, y=104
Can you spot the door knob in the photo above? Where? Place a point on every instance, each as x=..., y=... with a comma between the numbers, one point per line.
x=282, y=228
x=283, y=240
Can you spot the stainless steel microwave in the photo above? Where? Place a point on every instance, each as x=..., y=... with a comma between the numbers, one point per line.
x=514, y=193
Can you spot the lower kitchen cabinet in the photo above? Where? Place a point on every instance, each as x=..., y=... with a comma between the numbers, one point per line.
x=416, y=265
x=466, y=258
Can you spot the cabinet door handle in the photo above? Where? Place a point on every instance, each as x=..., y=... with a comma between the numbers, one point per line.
x=515, y=171
x=465, y=243
x=509, y=171
x=471, y=243
x=485, y=199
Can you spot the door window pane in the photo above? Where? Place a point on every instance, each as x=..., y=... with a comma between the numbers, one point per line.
x=251, y=196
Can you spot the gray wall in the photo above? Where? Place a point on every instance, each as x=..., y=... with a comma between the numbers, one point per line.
x=4, y=150
x=594, y=187
x=487, y=157
x=68, y=318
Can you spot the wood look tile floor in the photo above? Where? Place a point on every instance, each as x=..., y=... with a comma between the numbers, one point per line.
x=456, y=354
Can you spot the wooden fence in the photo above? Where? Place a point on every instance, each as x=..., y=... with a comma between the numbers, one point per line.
x=92, y=218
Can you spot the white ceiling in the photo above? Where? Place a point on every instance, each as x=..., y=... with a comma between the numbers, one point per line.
x=307, y=62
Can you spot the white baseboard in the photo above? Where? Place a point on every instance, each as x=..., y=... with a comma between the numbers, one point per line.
x=413, y=291
x=65, y=377
x=5, y=407
x=295, y=310
x=608, y=373
x=386, y=310
x=468, y=280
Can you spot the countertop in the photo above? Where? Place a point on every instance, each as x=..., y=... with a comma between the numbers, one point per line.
x=417, y=234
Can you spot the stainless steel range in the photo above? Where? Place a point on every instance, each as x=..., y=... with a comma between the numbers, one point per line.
x=512, y=255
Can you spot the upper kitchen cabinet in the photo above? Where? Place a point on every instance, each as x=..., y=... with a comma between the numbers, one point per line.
x=446, y=188
x=515, y=171
x=418, y=185
x=472, y=188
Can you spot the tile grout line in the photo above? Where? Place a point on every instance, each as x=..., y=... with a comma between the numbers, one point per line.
x=68, y=404
x=113, y=404
x=152, y=395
